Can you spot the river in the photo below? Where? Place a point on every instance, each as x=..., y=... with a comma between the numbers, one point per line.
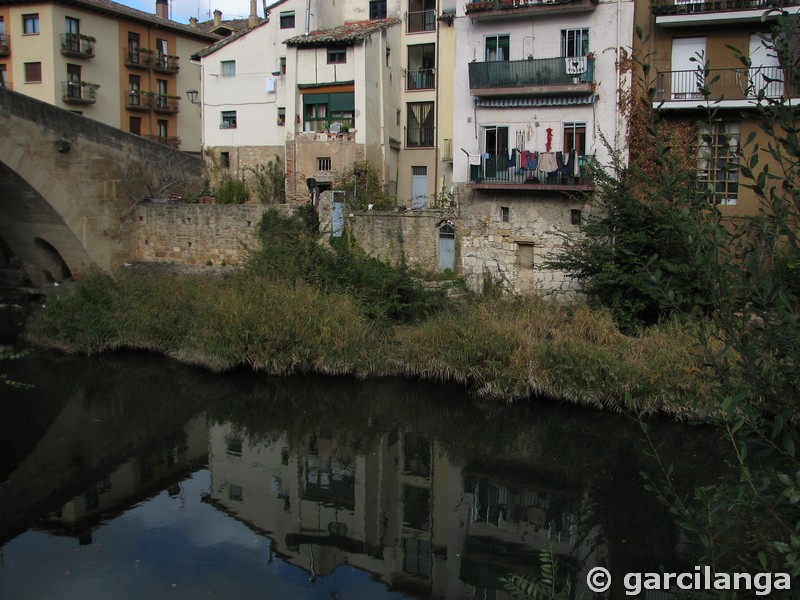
x=130, y=476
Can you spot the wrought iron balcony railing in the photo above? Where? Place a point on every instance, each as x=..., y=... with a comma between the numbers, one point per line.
x=78, y=92
x=5, y=44
x=724, y=84
x=509, y=9
x=533, y=168
x=166, y=63
x=139, y=100
x=77, y=45
x=337, y=125
x=423, y=20
x=422, y=79
x=137, y=58
x=166, y=104
x=420, y=137
x=534, y=73
x=684, y=7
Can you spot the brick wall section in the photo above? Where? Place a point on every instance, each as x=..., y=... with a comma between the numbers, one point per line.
x=194, y=234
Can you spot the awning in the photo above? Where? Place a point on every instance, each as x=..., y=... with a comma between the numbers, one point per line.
x=534, y=102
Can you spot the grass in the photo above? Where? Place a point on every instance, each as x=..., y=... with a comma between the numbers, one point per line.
x=505, y=349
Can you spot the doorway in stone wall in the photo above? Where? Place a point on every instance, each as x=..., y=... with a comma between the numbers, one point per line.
x=446, y=250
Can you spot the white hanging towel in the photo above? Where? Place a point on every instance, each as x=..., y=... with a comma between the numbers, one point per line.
x=270, y=84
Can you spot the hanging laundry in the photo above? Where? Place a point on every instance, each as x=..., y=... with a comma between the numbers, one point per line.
x=547, y=162
x=566, y=167
x=533, y=160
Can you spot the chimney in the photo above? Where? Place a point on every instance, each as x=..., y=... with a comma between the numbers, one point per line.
x=162, y=9
x=217, y=18
x=252, y=21
x=193, y=22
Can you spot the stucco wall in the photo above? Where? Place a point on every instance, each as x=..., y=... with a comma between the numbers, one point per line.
x=194, y=234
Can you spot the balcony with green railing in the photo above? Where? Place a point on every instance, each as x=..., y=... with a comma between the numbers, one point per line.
x=533, y=77
x=486, y=10
x=166, y=63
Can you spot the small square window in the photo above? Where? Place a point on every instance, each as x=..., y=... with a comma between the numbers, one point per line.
x=281, y=116
x=323, y=163
x=227, y=68
x=283, y=65
x=505, y=214
x=287, y=20
x=337, y=56
x=30, y=24
x=33, y=72
x=377, y=9
x=228, y=119
x=575, y=217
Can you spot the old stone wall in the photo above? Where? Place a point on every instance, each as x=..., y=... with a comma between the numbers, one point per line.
x=197, y=234
x=505, y=238
x=239, y=161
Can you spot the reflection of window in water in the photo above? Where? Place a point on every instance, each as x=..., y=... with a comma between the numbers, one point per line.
x=416, y=507
x=329, y=480
x=233, y=446
x=235, y=492
x=284, y=456
x=416, y=556
x=416, y=455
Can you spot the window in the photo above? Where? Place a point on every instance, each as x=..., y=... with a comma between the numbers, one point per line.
x=497, y=48
x=337, y=56
x=505, y=214
x=287, y=20
x=283, y=65
x=30, y=24
x=72, y=25
x=525, y=255
x=281, y=116
x=420, y=128
x=575, y=217
x=718, y=160
x=326, y=112
x=575, y=137
x=421, y=64
x=225, y=160
x=574, y=42
x=74, y=81
x=3, y=76
x=227, y=68
x=228, y=119
x=133, y=48
x=72, y=42
x=33, y=72
x=323, y=163
x=162, y=128
x=135, y=125
x=377, y=9
x=235, y=492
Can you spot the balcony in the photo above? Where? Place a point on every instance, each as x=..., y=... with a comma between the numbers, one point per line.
x=77, y=45
x=139, y=100
x=166, y=63
x=340, y=126
x=498, y=172
x=422, y=79
x=166, y=104
x=420, y=137
x=534, y=77
x=137, y=58
x=171, y=141
x=420, y=21
x=731, y=88
x=495, y=10
x=675, y=13
x=5, y=44
x=73, y=92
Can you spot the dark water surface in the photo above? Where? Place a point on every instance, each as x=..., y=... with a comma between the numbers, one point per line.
x=129, y=476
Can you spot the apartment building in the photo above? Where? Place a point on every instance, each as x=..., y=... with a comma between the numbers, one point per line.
x=540, y=105
x=695, y=51
x=326, y=85
x=109, y=62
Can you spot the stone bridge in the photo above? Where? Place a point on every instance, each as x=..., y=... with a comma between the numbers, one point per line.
x=69, y=186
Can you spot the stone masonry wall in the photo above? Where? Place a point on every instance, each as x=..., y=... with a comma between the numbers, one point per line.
x=196, y=234
x=511, y=254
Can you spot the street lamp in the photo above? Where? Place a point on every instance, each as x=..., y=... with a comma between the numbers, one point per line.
x=192, y=95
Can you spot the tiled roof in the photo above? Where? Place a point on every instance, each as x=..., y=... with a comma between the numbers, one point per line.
x=120, y=10
x=227, y=40
x=232, y=24
x=344, y=35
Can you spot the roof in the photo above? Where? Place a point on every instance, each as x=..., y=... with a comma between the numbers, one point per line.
x=226, y=40
x=348, y=34
x=233, y=25
x=108, y=7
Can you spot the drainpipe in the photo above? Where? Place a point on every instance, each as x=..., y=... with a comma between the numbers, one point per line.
x=618, y=71
x=436, y=115
x=308, y=17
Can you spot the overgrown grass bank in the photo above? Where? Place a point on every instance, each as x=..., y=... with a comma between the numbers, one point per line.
x=503, y=349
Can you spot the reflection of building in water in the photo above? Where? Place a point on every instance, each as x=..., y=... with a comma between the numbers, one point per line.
x=395, y=507
x=147, y=473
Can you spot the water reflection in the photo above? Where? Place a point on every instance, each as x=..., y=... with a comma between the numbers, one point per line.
x=410, y=485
